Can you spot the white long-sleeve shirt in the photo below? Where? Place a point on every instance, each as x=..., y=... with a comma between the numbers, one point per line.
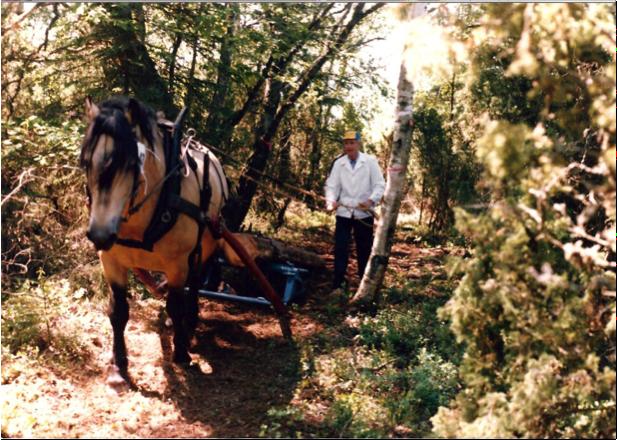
x=350, y=186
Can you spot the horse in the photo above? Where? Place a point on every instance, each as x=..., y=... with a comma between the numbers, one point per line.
x=125, y=156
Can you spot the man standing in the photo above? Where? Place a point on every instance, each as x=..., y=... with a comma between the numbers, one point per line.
x=355, y=185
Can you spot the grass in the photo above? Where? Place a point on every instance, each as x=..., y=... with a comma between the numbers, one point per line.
x=375, y=375
x=40, y=316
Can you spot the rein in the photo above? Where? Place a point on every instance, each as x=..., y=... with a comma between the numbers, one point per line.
x=134, y=208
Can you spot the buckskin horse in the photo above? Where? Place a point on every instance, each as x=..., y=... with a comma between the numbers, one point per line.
x=154, y=206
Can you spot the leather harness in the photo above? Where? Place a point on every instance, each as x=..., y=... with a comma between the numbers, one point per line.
x=170, y=204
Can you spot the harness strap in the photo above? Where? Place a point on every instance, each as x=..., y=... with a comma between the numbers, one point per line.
x=134, y=208
x=170, y=203
x=205, y=193
x=179, y=204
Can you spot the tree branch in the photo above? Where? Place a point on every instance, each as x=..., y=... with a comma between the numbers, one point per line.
x=309, y=75
x=24, y=178
x=17, y=22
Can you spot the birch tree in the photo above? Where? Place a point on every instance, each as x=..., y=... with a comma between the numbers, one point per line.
x=395, y=181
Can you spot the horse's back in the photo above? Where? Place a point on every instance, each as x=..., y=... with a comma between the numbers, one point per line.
x=216, y=180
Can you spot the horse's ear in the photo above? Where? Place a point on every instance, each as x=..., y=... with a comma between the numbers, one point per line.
x=134, y=112
x=138, y=116
x=92, y=109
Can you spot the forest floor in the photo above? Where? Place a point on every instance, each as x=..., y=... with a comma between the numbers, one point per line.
x=243, y=368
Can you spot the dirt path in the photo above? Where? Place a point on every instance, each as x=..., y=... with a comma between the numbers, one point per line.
x=244, y=369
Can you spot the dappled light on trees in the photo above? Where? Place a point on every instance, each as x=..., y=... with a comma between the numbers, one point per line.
x=492, y=285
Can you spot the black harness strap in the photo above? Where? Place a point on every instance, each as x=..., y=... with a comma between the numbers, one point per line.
x=205, y=194
x=180, y=205
x=163, y=218
x=170, y=204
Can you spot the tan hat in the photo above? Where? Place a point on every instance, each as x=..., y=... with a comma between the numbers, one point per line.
x=354, y=135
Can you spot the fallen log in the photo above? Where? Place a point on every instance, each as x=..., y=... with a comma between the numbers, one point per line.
x=269, y=249
x=264, y=284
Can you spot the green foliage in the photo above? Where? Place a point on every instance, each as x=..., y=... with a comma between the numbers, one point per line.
x=501, y=95
x=21, y=322
x=447, y=175
x=43, y=205
x=444, y=170
x=405, y=330
x=32, y=319
x=535, y=308
x=527, y=125
x=282, y=422
x=401, y=366
x=429, y=384
x=220, y=60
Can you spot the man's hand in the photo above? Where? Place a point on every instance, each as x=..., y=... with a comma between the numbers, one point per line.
x=331, y=206
x=366, y=205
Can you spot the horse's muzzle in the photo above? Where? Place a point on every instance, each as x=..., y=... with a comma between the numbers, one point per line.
x=102, y=237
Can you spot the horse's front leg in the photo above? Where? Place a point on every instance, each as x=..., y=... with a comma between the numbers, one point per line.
x=182, y=309
x=118, y=312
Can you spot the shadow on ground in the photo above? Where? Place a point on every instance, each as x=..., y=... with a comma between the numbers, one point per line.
x=241, y=369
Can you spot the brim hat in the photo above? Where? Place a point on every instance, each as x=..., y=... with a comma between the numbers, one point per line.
x=351, y=135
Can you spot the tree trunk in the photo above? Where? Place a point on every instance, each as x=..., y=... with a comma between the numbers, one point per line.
x=273, y=116
x=172, y=65
x=238, y=207
x=280, y=217
x=422, y=199
x=284, y=173
x=217, y=125
x=444, y=216
x=322, y=120
x=314, y=159
x=190, y=87
x=397, y=170
x=138, y=70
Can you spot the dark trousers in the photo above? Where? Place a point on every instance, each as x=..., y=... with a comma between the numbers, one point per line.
x=363, y=234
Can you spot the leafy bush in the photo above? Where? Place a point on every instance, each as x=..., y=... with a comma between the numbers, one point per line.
x=33, y=318
x=43, y=215
x=43, y=208
x=403, y=331
x=536, y=305
x=429, y=384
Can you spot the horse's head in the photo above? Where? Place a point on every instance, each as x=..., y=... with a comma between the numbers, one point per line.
x=111, y=158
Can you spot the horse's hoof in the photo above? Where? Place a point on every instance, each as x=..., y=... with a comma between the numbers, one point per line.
x=116, y=380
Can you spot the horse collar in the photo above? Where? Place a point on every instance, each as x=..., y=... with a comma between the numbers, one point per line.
x=170, y=204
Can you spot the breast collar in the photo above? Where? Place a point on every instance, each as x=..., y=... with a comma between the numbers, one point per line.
x=170, y=205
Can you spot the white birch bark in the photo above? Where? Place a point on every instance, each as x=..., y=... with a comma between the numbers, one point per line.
x=395, y=183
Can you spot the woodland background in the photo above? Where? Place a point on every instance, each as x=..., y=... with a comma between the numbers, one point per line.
x=497, y=318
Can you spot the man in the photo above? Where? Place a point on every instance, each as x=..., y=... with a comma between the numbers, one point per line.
x=354, y=187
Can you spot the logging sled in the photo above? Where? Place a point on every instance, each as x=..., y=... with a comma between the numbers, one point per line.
x=287, y=268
